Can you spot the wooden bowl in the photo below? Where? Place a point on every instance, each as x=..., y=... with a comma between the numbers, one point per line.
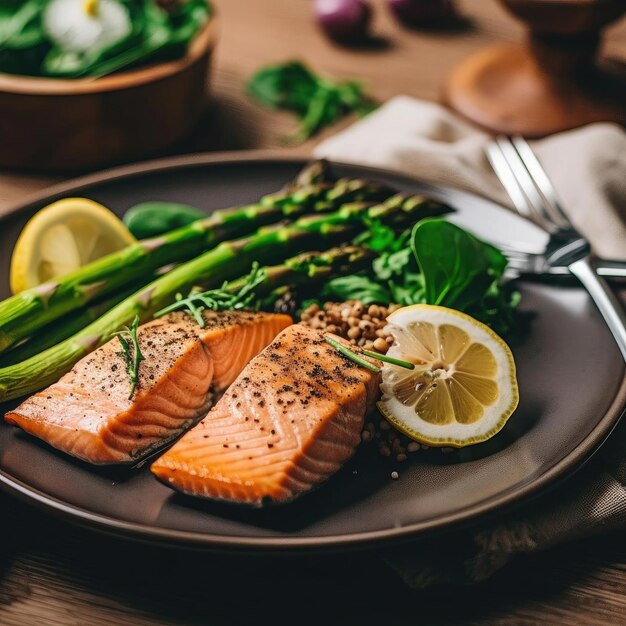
x=82, y=124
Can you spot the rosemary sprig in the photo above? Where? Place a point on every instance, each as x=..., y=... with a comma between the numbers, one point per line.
x=221, y=299
x=354, y=356
x=133, y=357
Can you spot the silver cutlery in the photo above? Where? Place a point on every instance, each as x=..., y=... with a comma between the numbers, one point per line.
x=523, y=262
x=535, y=199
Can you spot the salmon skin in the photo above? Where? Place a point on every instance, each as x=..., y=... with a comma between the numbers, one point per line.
x=290, y=420
x=88, y=414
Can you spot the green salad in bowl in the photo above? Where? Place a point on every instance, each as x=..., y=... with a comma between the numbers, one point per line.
x=94, y=38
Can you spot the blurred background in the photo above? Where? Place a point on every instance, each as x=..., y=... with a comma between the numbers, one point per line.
x=43, y=119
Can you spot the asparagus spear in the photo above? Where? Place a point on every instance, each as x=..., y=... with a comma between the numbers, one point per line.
x=26, y=312
x=61, y=329
x=264, y=285
x=303, y=269
x=308, y=268
x=228, y=260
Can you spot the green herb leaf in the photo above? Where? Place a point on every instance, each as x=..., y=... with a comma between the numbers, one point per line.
x=378, y=237
x=151, y=219
x=355, y=287
x=388, y=265
x=434, y=263
x=133, y=357
x=288, y=86
x=19, y=27
x=318, y=102
x=409, y=289
x=462, y=272
x=458, y=268
x=218, y=299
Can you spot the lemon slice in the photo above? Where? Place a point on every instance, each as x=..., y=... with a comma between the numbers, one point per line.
x=463, y=388
x=63, y=237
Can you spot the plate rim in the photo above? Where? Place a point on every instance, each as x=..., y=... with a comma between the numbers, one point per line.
x=564, y=468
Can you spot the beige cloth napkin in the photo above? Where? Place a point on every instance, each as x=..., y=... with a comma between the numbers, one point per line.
x=588, y=169
x=424, y=140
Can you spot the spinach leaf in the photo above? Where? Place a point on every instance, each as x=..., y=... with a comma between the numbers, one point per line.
x=318, y=102
x=436, y=262
x=356, y=287
x=462, y=272
x=287, y=86
x=150, y=219
x=458, y=268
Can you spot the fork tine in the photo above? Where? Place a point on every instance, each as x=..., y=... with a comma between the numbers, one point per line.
x=536, y=204
x=545, y=186
x=507, y=178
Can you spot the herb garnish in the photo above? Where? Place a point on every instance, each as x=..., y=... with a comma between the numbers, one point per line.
x=133, y=358
x=435, y=262
x=389, y=359
x=317, y=101
x=354, y=356
x=222, y=299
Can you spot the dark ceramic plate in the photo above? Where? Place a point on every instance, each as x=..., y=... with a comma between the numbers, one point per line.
x=571, y=379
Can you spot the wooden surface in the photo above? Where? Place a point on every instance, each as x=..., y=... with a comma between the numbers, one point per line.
x=57, y=575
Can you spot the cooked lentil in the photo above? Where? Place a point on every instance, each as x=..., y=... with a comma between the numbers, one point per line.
x=363, y=326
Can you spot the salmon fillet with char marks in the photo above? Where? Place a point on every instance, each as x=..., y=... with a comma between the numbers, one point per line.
x=290, y=420
x=88, y=414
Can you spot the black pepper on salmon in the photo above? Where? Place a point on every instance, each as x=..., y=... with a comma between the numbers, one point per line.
x=289, y=421
x=88, y=413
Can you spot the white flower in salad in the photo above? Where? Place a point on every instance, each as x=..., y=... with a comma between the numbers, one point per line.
x=86, y=25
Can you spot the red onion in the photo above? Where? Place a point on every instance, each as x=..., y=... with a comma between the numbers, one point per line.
x=414, y=12
x=343, y=20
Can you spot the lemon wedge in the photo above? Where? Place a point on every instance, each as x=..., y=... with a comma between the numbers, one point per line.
x=63, y=237
x=463, y=388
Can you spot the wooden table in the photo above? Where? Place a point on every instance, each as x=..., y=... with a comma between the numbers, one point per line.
x=55, y=575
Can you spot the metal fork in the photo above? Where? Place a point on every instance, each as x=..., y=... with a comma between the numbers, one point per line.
x=535, y=198
x=526, y=262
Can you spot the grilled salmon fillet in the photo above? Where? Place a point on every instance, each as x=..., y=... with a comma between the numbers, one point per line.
x=89, y=415
x=290, y=420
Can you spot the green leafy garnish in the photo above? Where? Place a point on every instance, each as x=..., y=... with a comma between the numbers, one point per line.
x=389, y=359
x=436, y=262
x=151, y=219
x=134, y=357
x=462, y=272
x=459, y=278
x=356, y=287
x=221, y=299
x=352, y=355
x=317, y=101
